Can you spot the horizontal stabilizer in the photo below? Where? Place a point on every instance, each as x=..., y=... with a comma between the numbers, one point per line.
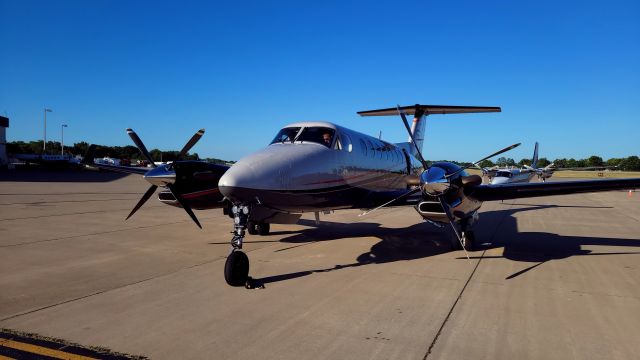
x=431, y=109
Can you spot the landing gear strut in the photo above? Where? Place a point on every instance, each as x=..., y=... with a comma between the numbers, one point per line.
x=236, y=269
x=466, y=237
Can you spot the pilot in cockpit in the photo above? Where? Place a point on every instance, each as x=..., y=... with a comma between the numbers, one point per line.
x=326, y=137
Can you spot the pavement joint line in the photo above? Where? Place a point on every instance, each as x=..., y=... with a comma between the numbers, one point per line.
x=64, y=201
x=98, y=233
x=76, y=213
x=211, y=261
x=112, y=289
x=446, y=319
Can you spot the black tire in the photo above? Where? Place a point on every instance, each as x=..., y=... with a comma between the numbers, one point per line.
x=263, y=228
x=468, y=240
x=236, y=269
x=252, y=228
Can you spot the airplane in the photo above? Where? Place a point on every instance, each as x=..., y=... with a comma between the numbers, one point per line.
x=506, y=175
x=321, y=166
x=498, y=175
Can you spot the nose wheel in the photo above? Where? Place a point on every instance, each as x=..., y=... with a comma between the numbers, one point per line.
x=236, y=269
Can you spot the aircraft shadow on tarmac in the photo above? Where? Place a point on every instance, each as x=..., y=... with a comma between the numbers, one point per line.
x=539, y=247
x=59, y=175
x=496, y=229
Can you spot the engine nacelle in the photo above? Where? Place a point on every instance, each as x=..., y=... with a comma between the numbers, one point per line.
x=432, y=210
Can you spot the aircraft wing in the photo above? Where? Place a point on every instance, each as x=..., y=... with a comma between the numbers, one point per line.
x=122, y=169
x=524, y=190
x=431, y=109
x=89, y=158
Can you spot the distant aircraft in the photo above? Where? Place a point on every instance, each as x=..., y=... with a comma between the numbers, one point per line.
x=51, y=161
x=321, y=166
x=506, y=175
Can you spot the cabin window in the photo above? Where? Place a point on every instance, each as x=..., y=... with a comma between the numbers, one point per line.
x=346, y=142
x=286, y=135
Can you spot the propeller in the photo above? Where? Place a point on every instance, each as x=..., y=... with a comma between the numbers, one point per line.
x=483, y=159
x=140, y=146
x=184, y=205
x=163, y=175
x=447, y=211
x=389, y=202
x=413, y=140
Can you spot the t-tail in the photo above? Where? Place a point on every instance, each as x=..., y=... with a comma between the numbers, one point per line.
x=420, y=112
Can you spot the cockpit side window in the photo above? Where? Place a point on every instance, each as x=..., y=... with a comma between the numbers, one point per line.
x=287, y=134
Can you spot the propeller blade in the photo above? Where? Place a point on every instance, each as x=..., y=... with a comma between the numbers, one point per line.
x=184, y=205
x=452, y=223
x=406, y=125
x=389, y=202
x=498, y=152
x=140, y=146
x=194, y=139
x=143, y=200
x=485, y=158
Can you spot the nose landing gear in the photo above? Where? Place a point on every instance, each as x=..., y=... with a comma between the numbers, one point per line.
x=236, y=268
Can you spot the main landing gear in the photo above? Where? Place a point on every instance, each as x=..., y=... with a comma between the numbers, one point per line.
x=236, y=269
x=466, y=238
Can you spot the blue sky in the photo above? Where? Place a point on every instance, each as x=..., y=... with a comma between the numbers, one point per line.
x=566, y=75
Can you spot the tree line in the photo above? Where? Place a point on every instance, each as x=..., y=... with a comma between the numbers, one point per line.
x=118, y=152
x=631, y=163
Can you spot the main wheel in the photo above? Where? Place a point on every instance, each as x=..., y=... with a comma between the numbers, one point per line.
x=263, y=228
x=468, y=238
x=252, y=228
x=236, y=269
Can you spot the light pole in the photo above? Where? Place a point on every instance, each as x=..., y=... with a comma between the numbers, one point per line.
x=44, y=142
x=62, y=137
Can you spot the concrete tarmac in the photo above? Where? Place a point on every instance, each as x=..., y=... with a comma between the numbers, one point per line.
x=557, y=278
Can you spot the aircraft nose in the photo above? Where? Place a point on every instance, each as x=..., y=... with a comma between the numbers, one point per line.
x=239, y=183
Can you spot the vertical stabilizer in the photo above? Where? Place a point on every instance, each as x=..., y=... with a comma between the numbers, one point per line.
x=418, y=131
x=534, y=160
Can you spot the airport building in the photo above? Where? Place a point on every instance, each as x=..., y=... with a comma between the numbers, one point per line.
x=4, y=124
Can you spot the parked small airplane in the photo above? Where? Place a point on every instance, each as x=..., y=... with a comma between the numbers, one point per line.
x=506, y=175
x=321, y=166
x=498, y=175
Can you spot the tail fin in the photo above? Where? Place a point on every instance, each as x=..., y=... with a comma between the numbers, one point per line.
x=534, y=160
x=417, y=130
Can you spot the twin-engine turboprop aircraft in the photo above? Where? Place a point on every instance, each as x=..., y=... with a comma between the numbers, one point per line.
x=321, y=166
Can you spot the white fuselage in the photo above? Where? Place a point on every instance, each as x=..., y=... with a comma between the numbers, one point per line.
x=507, y=176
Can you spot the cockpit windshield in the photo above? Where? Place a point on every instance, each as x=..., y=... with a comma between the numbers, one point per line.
x=505, y=174
x=287, y=134
x=315, y=134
